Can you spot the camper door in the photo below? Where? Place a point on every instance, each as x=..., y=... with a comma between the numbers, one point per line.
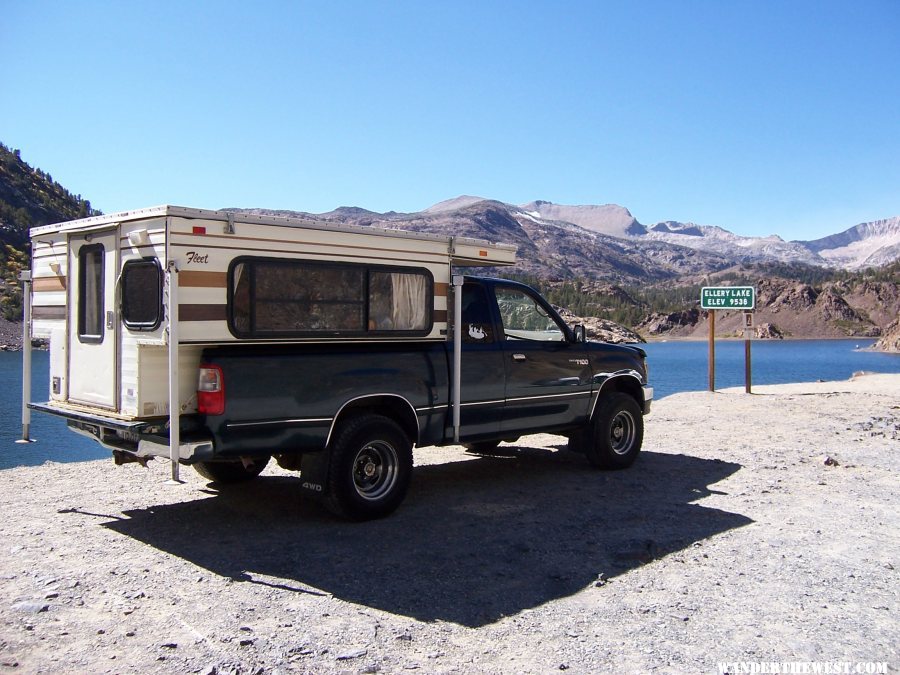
x=93, y=264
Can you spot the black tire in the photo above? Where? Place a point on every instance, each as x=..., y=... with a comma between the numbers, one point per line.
x=618, y=432
x=371, y=466
x=232, y=471
x=482, y=447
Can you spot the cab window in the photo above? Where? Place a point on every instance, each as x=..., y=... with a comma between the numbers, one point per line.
x=524, y=318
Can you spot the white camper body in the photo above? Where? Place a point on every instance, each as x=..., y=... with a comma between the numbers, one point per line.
x=118, y=360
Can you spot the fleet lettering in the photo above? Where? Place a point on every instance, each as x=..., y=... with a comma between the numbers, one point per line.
x=195, y=258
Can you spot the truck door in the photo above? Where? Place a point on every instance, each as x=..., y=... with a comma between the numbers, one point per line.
x=93, y=262
x=483, y=374
x=548, y=379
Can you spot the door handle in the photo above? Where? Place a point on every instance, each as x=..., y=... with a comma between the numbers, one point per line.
x=519, y=357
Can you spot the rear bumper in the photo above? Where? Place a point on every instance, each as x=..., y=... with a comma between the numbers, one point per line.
x=140, y=438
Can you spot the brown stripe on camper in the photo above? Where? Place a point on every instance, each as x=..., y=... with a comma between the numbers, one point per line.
x=441, y=289
x=439, y=316
x=201, y=312
x=48, y=284
x=203, y=279
x=48, y=312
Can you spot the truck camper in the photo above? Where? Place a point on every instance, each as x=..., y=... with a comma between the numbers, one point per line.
x=222, y=340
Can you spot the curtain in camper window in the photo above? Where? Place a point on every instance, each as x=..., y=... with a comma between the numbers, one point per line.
x=410, y=308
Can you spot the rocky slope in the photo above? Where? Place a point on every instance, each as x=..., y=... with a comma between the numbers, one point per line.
x=791, y=309
x=28, y=197
x=546, y=248
x=865, y=245
x=890, y=339
x=607, y=242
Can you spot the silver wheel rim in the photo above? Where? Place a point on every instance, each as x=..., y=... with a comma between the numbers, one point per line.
x=375, y=470
x=622, y=433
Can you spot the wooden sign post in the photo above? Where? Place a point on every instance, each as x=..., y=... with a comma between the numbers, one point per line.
x=713, y=298
x=748, y=326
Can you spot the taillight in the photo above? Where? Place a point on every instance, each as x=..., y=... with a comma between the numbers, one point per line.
x=210, y=390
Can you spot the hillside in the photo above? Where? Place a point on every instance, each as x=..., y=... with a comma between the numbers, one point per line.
x=595, y=260
x=851, y=305
x=28, y=197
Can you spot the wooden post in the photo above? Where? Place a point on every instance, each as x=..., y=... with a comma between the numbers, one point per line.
x=746, y=364
x=748, y=326
x=712, y=350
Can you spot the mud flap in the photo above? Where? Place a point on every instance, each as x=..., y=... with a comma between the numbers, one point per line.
x=314, y=472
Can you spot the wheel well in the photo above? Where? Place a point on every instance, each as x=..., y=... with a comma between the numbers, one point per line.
x=393, y=407
x=625, y=384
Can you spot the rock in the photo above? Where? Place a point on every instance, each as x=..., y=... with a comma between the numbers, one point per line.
x=604, y=330
x=31, y=606
x=890, y=339
x=769, y=331
x=830, y=461
x=353, y=654
x=658, y=323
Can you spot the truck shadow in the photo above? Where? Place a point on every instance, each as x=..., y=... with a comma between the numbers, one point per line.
x=475, y=540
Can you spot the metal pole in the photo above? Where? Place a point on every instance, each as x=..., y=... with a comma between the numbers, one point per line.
x=712, y=350
x=457, y=282
x=174, y=402
x=25, y=278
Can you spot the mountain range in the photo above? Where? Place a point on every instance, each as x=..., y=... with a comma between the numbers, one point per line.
x=596, y=259
x=606, y=242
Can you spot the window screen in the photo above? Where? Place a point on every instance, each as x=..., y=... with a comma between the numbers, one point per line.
x=142, y=285
x=90, y=293
x=284, y=298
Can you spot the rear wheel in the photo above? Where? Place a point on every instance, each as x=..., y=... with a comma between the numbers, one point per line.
x=371, y=466
x=232, y=471
x=618, y=433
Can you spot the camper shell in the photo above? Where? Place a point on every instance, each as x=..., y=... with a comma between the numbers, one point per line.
x=111, y=291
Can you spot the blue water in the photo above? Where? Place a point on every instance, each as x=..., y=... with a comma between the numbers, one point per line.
x=674, y=367
x=682, y=366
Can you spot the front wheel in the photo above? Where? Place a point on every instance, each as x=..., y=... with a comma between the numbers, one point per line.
x=232, y=471
x=618, y=433
x=371, y=466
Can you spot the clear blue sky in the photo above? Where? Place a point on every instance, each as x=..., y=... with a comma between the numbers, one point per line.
x=759, y=116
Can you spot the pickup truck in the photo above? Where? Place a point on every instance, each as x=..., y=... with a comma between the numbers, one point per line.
x=348, y=415
x=223, y=340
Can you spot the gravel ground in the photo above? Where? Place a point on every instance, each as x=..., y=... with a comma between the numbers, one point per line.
x=752, y=528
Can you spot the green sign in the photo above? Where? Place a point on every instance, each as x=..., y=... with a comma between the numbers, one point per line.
x=728, y=297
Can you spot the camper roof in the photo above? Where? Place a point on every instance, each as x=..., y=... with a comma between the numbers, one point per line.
x=98, y=222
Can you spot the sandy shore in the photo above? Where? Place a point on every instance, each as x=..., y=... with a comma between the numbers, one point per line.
x=753, y=528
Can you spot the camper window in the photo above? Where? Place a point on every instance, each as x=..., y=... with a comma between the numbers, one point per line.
x=142, y=283
x=285, y=298
x=90, y=293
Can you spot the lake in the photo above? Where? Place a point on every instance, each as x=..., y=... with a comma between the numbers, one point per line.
x=674, y=367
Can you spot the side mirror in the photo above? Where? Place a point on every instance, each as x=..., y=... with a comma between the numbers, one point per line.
x=578, y=333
